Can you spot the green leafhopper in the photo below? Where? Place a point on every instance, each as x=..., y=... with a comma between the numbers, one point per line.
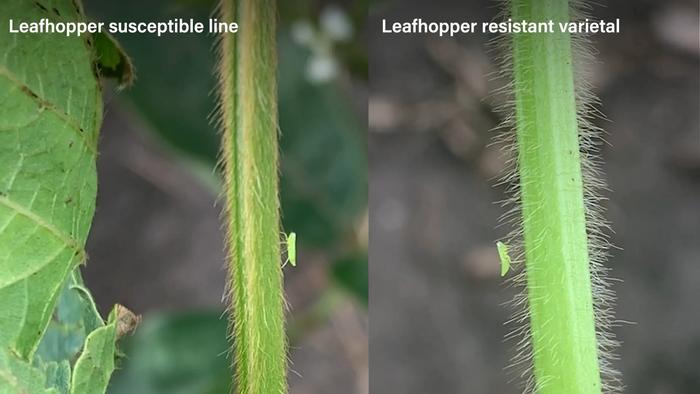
x=291, y=242
x=505, y=258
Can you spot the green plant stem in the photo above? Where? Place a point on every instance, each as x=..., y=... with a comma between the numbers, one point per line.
x=247, y=71
x=560, y=302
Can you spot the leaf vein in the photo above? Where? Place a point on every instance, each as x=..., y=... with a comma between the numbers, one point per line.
x=50, y=107
x=67, y=240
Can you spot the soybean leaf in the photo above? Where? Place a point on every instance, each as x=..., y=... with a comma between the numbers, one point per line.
x=18, y=376
x=74, y=318
x=96, y=362
x=58, y=376
x=50, y=112
x=111, y=59
x=14, y=300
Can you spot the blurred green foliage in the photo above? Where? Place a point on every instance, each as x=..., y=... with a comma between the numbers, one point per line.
x=324, y=175
x=175, y=354
x=351, y=274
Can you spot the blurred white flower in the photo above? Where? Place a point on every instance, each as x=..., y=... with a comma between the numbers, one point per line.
x=302, y=33
x=335, y=23
x=322, y=67
x=334, y=26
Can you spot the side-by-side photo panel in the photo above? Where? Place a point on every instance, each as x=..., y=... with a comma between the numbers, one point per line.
x=597, y=229
x=183, y=197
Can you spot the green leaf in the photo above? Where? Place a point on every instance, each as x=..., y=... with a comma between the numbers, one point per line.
x=14, y=300
x=95, y=365
x=17, y=376
x=74, y=318
x=111, y=59
x=176, y=354
x=351, y=273
x=58, y=376
x=50, y=113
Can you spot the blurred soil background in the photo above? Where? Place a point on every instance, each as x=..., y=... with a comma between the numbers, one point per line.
x=436, y=310
x=156, y=242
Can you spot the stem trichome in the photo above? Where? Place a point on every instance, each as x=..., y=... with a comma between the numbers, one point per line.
x=566, y=302
x=248, y=108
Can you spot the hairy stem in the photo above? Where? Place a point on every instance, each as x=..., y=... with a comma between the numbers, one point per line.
x=560, y=301
x=250, y=165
